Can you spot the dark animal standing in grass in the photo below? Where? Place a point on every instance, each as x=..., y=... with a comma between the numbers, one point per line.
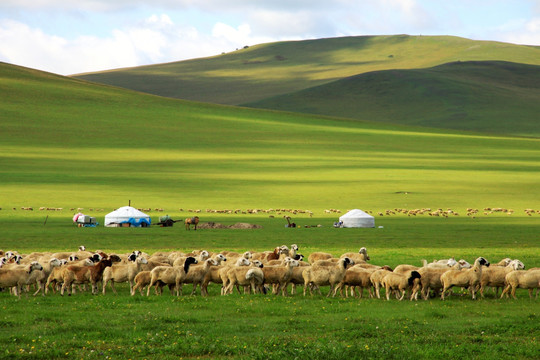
x=192, y=221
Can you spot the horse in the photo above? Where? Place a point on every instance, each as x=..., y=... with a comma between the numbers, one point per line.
x=191, y=221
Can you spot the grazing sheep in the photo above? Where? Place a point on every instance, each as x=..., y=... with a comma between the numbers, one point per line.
x=123, y=273
x=522, y=279
x=401, y=283
x=325, y=275
x=319, y=256
x=465, y=278
x=16, y=278
x=376, y=280
x=73, y=274
x=172, y=276
x=142, y=280
x=355, y=276
x=236, y=276
x=358, y=258
x=197, y=274
x=280, y=275
x=42, y=276
x=495, y=276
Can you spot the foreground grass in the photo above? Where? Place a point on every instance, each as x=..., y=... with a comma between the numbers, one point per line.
x=270, y=327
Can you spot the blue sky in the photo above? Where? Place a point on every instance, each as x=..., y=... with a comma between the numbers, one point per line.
x=74, y=36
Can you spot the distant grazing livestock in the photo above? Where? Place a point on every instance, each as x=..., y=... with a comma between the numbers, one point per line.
x=191, y=221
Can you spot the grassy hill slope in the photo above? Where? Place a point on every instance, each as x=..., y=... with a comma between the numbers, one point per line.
x=496, y=97
x=68, y=143
x=267, y=70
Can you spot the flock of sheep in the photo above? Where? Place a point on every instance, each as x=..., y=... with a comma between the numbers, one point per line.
x=257, y=272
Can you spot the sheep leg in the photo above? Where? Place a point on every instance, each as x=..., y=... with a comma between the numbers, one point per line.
x=41, y=287
x=112, y=287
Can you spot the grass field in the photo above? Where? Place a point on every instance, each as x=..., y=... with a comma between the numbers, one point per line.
x=66, y=144
x=259, y=326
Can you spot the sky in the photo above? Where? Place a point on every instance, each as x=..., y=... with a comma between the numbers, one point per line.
x=75, y=36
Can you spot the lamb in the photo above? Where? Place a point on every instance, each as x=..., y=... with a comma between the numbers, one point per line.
x=73, y=274
x=197, y=274
x=522, y=279
x=319, y=256
x=16, y=278
x=123, y=273
x=401, y=282
x=142, y=279
x=280, y=275
x=494, y=276
x=167, y=275
x=358, y=258
x=325, y=275
x=465, y=278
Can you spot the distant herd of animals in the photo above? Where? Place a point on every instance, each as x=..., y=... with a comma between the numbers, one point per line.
x=470, y=212
x=258, y=272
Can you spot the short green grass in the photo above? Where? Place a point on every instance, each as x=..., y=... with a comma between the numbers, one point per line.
x=266, y=326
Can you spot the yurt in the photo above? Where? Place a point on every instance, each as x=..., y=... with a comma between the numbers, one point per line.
x=127, y=216
x=357, y=219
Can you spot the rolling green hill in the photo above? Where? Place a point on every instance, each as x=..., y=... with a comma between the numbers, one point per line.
x=492, y=97
x=68, y=143
x=266, y=70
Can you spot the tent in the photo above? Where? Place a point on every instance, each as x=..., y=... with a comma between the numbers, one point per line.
x=127, y=215
x=357, y=218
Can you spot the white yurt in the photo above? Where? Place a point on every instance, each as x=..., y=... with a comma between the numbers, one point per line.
x=127, y=216
x=357, y=218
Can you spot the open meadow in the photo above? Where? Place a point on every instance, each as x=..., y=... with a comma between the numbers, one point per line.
x=67, y=144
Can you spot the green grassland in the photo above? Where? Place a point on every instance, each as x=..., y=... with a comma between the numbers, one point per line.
x=100, y=146
x=66, y=143
x=489, y=97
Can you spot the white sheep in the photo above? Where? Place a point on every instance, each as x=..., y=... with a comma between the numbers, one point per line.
x=358, y=258
x=42, y=276
x=316, y=256
x=236, y=276
x=15, y=278
x=376, y=280
x=465, y=278
x=197, y=274
x=325, y=275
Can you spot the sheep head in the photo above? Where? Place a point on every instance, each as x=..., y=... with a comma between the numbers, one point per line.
x=190, y=260
x=482, y=262
x=34, y=265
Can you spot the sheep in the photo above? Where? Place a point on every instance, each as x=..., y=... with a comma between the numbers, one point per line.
x=319, y=256
x=446, y=264
x=197, y=274
x=504, y=262
x=217, y=274
x=201, y=257
x=376, y=280
x=123, y=273
x=358, y=258
x=42, y=276
x=280, y=275
x=325, y=275
x=465, y=278
x=404, y=268
x=236, y=276
x=142, y=279
x=167, y=275
x=522, y=279
x=222, y=273
x=449, y=262
x=267, y=255
x=73, y=274
x=255, y=276
x=494, y=276
x=401, y=282
x=15, y=278
x=355, y=276
x=431, y=279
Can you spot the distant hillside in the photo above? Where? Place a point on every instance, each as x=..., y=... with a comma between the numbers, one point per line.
x=494, y=97
x=267, y=70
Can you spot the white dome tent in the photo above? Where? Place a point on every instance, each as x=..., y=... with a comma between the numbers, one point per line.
x=127, y=215
x=357, y=218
